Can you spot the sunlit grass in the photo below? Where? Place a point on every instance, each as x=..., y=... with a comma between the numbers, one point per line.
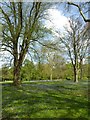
x=4, y=82
x=62, y=99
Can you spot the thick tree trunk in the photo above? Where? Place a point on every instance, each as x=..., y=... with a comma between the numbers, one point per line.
x=16, y=70
x=17, y=67
x=16, y=80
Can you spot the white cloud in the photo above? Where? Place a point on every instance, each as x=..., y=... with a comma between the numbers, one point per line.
x=56, y=20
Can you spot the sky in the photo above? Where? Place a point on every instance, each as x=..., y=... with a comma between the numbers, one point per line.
x=58, y=20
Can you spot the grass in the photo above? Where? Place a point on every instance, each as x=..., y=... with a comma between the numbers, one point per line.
x=62, y=99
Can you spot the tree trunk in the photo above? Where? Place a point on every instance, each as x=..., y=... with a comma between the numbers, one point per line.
x=18, y=60
x=75, y=74
x=80, y=69
x=16, y=70
x=16, y=80
x=81, y=73
x=51, y=76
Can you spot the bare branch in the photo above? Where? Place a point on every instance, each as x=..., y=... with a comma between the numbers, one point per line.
x=7, y=45
x=5, y=49
x=82, y=14
x=11, y=27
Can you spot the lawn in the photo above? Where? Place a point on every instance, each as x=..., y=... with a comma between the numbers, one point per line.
x=59, y=99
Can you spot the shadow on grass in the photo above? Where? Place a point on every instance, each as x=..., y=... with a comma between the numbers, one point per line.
x=44, y=101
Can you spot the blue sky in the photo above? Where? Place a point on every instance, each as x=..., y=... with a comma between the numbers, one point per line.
x=59, y=17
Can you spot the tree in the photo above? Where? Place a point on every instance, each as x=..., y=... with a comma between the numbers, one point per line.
x=21, y=25
x=6, y=73
x=86, y=7
x=83, y=51
x=84, y=10
x=28, y=70
x=76, y=43
x=54, y=61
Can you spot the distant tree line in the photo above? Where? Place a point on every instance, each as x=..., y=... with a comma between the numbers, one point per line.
x=31, y=71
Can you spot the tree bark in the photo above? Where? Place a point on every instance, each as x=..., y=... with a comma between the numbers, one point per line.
x=18, y=60
x=16, y=80
x=81, y=69
x=16, y=70
x=75, y=74
x=51, y=76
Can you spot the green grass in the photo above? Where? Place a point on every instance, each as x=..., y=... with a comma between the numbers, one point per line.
x=5, y=82
x=63, y=99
